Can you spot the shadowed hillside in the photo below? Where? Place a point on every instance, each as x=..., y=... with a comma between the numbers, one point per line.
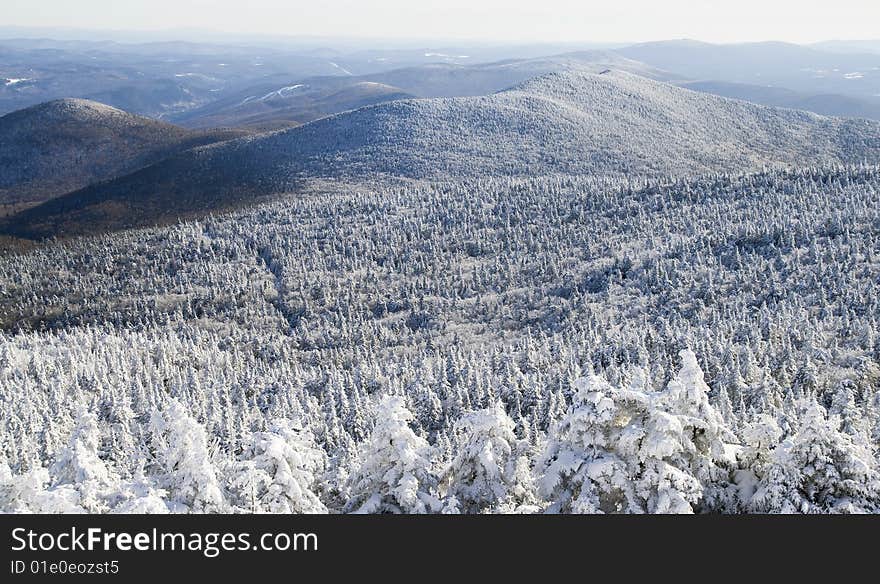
x=60, y=146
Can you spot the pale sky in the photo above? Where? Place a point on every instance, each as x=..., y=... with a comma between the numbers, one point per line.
x=487, y=20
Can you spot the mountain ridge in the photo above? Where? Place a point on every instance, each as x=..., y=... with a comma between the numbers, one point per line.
x=611, y=124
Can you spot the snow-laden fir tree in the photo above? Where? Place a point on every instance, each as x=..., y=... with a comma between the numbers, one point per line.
x=31, y=492
x=607, y=435
x=490, y=467
x=183, y=460
x=707, y=454
x=278, y=471
x=634, y=451
x=79, y=465
x=760, y=437
x=819, y=469
x=396, y=471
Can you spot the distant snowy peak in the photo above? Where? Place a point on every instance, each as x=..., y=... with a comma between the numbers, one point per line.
x=615, y=88
x=75, y=108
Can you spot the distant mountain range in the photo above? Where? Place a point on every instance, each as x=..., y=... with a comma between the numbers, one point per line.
x=857, y=46
x=836, y=85
x=59, y=146
x=609, y=123
x=825, y=104
x=155, y=79
x=796, y=67
x=203, y=85
x=270, y=106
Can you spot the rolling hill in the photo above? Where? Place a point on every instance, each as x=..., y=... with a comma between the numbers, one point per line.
x=269, y=107
x=445, y=80
x=274, y=106
x=610, y=124
x=60, y=146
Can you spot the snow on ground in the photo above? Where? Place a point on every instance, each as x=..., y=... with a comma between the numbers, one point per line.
x=282, y=92
x=343, y=69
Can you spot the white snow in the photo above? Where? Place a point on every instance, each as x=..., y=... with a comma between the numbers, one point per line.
x=343, y=69
x=282, y=92
x=445, y=56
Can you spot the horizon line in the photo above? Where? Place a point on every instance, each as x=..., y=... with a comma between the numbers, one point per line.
x=239, y=36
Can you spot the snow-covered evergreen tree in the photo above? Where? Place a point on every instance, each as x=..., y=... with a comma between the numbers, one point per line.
x=490, y=469
x=760, y=437
x=396, y=472
x=30, y=492
x=278, y=471
x=183, y=460
x=818, y=470
x=707, y=453
x=79, y=465
x=613, y=453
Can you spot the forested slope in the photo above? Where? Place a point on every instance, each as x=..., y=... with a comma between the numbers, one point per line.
x=560, y=344
x=61, y=146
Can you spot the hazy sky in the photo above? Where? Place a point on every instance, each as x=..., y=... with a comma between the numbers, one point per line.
x=491, y=20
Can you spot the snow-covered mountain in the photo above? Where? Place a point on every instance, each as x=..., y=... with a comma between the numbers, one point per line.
x=572, y=122
x=608, y=123
x=305, y=100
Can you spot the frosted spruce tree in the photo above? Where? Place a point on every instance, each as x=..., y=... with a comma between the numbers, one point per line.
x=30, y=492
x=490, y=470
x=79, y=465
x=183, y=461
x=761, y=436
x=278, y=470
x=635, y=451
x=706, y=453
x=578, y=471
x=819, y=469
x=395, y=474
